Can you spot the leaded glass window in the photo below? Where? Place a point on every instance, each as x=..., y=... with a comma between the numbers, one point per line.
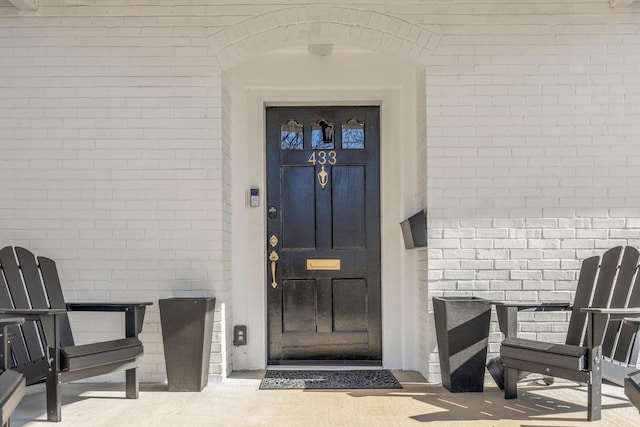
x=322, y=135
x=291, y=134
x=352, y=135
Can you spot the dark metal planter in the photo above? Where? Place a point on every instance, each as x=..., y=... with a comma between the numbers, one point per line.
x=462, y=331
x=187, y=325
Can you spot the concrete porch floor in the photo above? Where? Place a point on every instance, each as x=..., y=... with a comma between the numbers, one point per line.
x=238, y=402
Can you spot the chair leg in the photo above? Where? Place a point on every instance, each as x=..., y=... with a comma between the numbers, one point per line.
x=54, y=398
x=510, y=383
x=594, y=394
x=132, y=383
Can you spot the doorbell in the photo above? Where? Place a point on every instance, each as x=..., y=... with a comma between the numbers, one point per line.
x=254, y=197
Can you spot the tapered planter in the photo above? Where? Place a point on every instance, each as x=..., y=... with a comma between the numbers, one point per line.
x=462, y=331
x=187, y=325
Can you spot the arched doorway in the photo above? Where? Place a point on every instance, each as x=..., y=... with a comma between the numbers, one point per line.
x=259, y=73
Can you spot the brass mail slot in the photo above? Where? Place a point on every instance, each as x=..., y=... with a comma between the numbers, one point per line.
x=323, y=264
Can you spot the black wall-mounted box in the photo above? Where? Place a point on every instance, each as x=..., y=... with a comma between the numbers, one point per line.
x=414, y=230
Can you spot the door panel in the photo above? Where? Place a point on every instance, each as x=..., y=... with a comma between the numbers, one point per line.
x=348, y=207
x=299, y=306
x=350, y=305
x=323, y=225
x=298, y=207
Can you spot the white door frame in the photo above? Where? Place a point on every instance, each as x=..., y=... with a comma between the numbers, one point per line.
x=279, y=79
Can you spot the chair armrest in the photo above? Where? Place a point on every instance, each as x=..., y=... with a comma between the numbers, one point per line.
x=134, y=313
x=105, y=306
x=635, y=321
x=613, y=313
x=11, y=321
x=630, y=310
x=49, y=319
x=534, y=305
x=598, y=318
x=30, y=313
x=4, y=341
x=507, y=312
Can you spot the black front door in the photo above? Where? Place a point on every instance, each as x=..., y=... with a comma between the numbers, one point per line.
x=323, y=234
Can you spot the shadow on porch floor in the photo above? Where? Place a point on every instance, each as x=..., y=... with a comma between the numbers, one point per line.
x=238, y=402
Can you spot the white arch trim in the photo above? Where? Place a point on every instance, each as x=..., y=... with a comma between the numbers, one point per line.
x=323, y=24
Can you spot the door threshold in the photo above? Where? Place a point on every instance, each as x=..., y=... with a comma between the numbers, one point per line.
x=324, y=366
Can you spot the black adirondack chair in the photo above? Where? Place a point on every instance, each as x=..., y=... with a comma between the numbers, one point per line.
x=12, y=384
x=598, y=345
x=632, y=382
x=45, y=350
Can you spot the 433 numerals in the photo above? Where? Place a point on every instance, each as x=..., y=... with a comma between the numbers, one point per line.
x=323, y=157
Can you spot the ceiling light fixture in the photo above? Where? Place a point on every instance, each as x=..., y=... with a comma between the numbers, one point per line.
x=320, y=49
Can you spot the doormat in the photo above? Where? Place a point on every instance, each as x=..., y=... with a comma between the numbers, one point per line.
x=319, y=380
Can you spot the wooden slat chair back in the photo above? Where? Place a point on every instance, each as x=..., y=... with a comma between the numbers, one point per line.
x=22, y=287
x=609, y=282
x=45, y=348
x=598, y=345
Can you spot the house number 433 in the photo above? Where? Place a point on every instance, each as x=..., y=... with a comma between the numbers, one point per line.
x=322, y=157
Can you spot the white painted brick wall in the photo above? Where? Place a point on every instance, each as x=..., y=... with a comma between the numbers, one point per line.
x=114, y=155
x=111, y=164
x=532, y=138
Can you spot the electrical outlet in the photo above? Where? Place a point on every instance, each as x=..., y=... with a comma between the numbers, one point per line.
x=239, y=335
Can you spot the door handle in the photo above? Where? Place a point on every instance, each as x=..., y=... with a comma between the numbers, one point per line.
x=273, y=257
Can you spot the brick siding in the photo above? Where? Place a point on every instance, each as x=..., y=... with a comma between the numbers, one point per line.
x=114, y=143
